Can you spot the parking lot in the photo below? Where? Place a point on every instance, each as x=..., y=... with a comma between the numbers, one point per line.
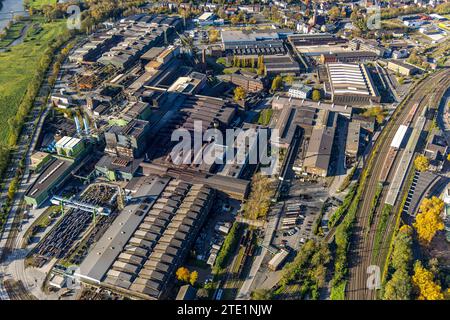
x=300, y=209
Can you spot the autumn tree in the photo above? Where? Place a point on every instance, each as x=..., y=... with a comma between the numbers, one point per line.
x=193, y=278
x=213, y=35
x=429, y=219
x=399, y=287
x=261, y=294
x=316, y=95
x=423, y=281
x=289, y=79
x=334, y=13
x=276, y=83
x=378, y=112
x=258, y=202
x=183, y=274
x=261, y=67
x=421, y=163
x=221, y=13
x=239, y=93
x=402, y=252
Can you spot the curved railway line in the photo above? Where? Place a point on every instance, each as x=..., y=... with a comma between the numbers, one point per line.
x=362, y=244
x=17, y=290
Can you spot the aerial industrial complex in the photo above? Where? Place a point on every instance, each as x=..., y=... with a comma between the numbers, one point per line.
x=233, y=151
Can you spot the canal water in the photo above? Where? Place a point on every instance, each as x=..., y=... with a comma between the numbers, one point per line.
x=5, y=12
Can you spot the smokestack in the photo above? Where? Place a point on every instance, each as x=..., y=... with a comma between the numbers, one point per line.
x=77, y=124
x=86, y=126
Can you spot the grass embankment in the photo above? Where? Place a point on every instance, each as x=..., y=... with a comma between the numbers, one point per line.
x=343, y=233
x=305, y=275
x=348, y=179
x=265, y=116
x=228, y=247
x=39, y=4
x=381, y=228
x=22, y=70
x=343, y=207
x=19, y=67
x=374, y=205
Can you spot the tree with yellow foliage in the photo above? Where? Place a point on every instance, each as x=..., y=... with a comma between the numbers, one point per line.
x=183, y=274
x=423, y=281
x=239, y=93
x=448, y=157
x=316, y=95
x=213, y=35
x=193, y=278
x=378, y=112
x=429, y=220
x=258, y=202
x=421, y=163
x=406, y=229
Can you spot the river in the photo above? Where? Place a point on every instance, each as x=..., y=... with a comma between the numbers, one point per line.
x=5, y=12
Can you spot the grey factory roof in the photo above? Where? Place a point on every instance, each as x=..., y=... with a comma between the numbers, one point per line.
x=236, y=188
x=48, y=177
x=319, y=148
x=279, y=102
x=353, y=135
x=134, y=128
x=142, y=249
x=347, y=78
x=245, y=35
x=106, y=250
x=403, y=64
x=314, y=39
x=152, y=53
x=124, y=164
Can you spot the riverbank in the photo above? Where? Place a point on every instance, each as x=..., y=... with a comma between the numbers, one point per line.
x=18, y=66
x=10, y=6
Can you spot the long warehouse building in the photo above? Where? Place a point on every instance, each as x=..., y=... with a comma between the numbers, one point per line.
x=351, y=84
x=140, y=252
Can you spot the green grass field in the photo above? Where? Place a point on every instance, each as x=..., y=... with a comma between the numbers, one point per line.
x=38, y=4
x=18, y=66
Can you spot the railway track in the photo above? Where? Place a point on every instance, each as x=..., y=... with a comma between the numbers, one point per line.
x=381, y=258
x=362, y=245
x=17, y=290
